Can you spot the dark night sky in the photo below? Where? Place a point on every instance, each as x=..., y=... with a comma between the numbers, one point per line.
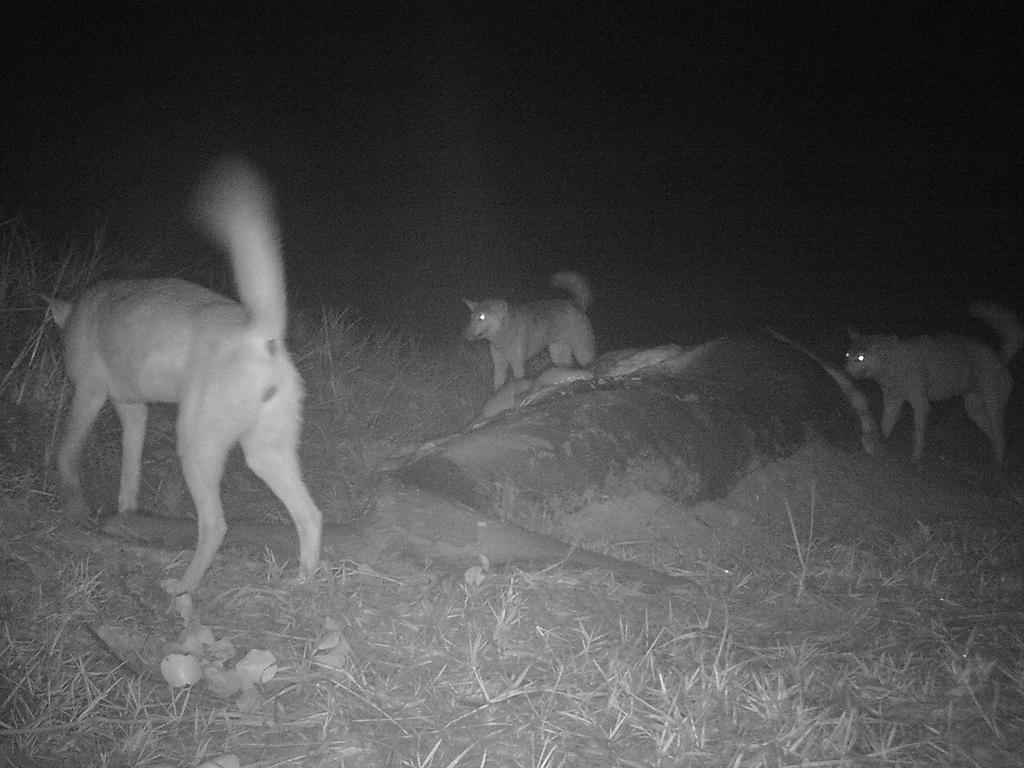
x=706, y=170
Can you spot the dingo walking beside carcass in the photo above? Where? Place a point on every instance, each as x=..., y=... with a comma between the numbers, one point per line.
x=223, y=362
x=928, y=369
x=518, y=332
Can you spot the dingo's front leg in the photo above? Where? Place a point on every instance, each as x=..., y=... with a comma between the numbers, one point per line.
x=133, y=435
x=85, y=406
x=500, y=363
x=920, y=408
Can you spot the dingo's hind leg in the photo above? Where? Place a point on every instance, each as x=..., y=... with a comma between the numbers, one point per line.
x=987, y=414
x=203, y=449
x=85, y=406
x=561, y=354
x=271, y=451
x=133, y=435
x=583, y=347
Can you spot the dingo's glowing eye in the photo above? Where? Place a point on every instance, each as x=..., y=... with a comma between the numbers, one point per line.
x=860, y=358
x=481, y=316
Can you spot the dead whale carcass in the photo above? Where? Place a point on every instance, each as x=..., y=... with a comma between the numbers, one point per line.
x=689, y=427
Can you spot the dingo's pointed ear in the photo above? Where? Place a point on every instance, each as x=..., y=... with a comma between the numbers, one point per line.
x=59, y=309
x=469, y=304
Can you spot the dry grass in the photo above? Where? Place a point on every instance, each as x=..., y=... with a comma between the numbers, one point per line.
x=881, y=662
x=905, y=655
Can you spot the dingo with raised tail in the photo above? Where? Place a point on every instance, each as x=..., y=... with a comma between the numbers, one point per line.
x=223, y=362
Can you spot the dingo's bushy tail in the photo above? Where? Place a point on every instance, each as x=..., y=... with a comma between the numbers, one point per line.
x=578, y=287
x=235, y=207
x=1003, y=322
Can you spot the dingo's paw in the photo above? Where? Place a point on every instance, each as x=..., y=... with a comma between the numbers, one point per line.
x=306, y=577
x=175, y=586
